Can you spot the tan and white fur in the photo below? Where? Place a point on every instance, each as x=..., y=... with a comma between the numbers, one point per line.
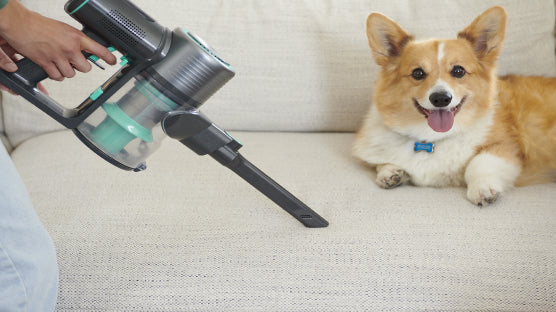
x=489, y=133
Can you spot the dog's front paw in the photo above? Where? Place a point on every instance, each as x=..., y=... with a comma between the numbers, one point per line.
x=487, y=176
x=482, y=194
x=390, y=176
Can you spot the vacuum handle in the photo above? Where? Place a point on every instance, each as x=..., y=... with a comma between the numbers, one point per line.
x=24, y=82
x=29, y=73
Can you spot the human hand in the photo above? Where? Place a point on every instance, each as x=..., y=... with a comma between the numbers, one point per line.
x=7, y=58
x=51, y=44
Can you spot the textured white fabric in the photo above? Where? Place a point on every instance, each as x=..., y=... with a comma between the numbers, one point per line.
x=303, y=65
x=189, y=235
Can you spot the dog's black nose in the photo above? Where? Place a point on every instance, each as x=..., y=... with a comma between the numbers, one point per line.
x=440, y=99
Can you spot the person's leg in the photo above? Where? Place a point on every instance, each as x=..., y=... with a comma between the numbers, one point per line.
x=28, y=267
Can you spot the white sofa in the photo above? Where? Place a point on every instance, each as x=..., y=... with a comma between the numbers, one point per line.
x=189, y=235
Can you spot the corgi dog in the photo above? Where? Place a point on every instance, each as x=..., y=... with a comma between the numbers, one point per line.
x=441, y=116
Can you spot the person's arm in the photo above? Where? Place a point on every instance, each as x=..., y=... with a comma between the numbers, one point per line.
x=51, y=44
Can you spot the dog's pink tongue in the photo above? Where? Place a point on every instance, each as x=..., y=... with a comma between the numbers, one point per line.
x=441, y=120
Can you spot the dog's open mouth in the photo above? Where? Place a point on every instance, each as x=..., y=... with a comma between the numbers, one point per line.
x=440, y=120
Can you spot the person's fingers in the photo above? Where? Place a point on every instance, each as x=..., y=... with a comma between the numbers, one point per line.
x=11, y=52
x=81, y=64
x=52, y=70
x=91, y=46
x=42, y=88
x=65, y=68
x=6, y=62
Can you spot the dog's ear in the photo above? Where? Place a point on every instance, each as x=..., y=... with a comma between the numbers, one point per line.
x=486, y=33
x=386, y=38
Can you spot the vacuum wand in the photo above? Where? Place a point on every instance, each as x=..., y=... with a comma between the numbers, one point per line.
x=202, y=136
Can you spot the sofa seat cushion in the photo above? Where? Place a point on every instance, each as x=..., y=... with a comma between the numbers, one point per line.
x=189, y=235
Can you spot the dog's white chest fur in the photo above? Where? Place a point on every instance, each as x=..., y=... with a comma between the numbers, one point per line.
x=377, y=144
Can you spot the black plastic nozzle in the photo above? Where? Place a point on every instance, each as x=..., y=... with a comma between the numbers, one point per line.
x=202, y=136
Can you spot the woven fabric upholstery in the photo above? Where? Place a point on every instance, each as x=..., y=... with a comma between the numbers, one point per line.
x=189, y=235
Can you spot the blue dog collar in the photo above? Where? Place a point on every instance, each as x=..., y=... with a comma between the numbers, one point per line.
x=422, y=146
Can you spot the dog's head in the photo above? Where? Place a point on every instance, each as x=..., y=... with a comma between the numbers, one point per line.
x=436, y=87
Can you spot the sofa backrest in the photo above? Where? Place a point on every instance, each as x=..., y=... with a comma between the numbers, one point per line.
x=301, y=65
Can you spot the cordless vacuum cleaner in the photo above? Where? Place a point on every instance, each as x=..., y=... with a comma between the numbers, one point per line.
x=165, y=77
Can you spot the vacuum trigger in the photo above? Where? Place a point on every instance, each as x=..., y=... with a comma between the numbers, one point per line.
x=93, y=59
x=94, y=62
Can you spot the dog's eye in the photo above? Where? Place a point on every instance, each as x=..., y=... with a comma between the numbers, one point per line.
x=458, y=72
x=418, y=74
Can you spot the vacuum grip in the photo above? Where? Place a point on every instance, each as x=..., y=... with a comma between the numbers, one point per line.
x=29, y=73
x=24, y=82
